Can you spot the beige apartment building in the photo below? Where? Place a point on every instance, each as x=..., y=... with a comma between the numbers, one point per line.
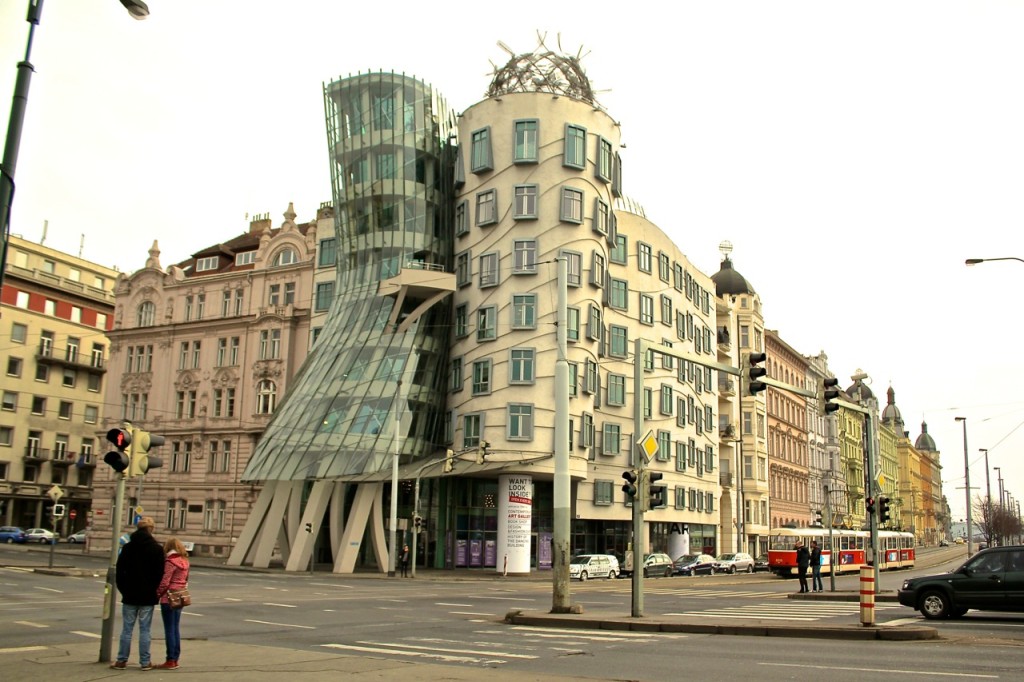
x=788, y=442
x=201, y=354
x=56, y=310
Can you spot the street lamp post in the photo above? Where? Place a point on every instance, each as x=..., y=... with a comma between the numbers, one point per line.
x=138, y=10
x=988, y=495
x=967, y=487
x=975, y=261
x=1000, y=477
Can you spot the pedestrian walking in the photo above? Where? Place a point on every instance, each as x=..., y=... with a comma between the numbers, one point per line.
x=175, y=578
x=816, y=585
x=140, y=567
x=404, y=561
x=803, y=558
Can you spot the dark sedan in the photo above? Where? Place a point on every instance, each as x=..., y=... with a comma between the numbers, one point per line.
x=761, y=563
x=693, y=564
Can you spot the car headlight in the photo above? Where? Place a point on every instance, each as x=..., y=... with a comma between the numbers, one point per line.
x=906, y=584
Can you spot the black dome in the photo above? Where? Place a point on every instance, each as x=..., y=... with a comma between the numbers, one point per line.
x=728, y=281
x=925, y=441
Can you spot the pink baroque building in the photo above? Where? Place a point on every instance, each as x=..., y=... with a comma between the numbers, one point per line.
x=201, y=353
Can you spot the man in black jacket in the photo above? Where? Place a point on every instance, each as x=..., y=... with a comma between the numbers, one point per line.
x=140, y=567
x=803, y=560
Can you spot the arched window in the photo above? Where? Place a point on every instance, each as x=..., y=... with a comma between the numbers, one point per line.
x=286, y=257
x=266, y=397
x=146, y=314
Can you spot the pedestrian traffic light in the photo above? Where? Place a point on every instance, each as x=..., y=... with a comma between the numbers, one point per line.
x=141, y=460
x=417, y=522
x=449, y=461
x=883, y=509
x=58, y=511
x=309, y=527
x=122, y=440
x=481, y=451
x=869, y=504
x=829, y=395
x=755, y=386
x=629, y=487
x=818, y=520
x=655, y=493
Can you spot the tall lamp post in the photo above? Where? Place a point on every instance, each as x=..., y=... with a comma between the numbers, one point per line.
x=999, y=475
x=967, y=487
x=138, y=10
x=975, y=261
x=988, y=495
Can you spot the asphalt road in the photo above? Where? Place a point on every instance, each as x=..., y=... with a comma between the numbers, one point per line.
x=460, y=622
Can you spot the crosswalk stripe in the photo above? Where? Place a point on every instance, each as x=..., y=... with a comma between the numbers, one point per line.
x=414, y=654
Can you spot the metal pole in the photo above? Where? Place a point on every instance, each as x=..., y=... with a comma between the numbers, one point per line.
x=831, y=542
x=110, y=590
x=967, y=488
x=393, y=540
x=415, y=515
x=14, y=126
x=988, y=496
x=739, y=484
x=869, y=428
x=560, y=597
x=639, y=351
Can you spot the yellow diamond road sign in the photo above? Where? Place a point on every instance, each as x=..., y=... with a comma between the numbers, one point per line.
x=649, y=445
x=880, y=479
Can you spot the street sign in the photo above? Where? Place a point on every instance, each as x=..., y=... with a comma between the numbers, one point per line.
x=72, y=514
x=649, y=445
x=55, y=492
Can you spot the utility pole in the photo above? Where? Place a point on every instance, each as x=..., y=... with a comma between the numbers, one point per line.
x=560, y=597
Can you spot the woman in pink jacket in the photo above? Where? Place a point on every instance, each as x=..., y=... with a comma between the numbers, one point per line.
x=175, y=578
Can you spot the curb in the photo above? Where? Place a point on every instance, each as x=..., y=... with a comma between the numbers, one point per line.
x=709, y=627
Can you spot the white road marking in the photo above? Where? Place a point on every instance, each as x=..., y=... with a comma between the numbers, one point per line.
x=620, y=634
x=284, y=625
x=444, y=603
x=886, y=671
x=417, y=654
x=470, y=613
x=83, y=633
x=283, y=606
x=22, y=649
x=403, y=645
x=30, y=624
x=49, y=589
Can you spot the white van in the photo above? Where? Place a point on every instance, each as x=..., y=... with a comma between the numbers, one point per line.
x=586, y=566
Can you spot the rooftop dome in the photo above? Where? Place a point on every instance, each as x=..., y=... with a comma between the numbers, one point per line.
x=924, y=441
x=891, y=413
x=728, y=281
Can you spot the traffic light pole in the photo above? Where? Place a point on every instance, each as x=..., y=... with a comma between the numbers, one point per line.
x=110, y=590
x=639, y=542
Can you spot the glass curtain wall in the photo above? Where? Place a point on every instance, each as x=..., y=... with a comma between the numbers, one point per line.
x=391, y=158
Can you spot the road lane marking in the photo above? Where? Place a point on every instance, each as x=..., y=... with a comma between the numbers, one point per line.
x=470, y=613
x=621, y=635
x=403, y=645
x=49, y=589
x=416, y=654
x=83, y=633
x=444, y=603
x=283, y=606
x=30, y=624
x=22, y=649
x=284, y=625
x=886, y=671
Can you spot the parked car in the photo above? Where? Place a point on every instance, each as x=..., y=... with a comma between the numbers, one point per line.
x=77, y=538
x=657, y=564
x=40, y=535
x=960, y=541
x=943, y=542
x=11, y=534
x=692, y=564
x=761, y=564
x=733, y=563
x=990, y=581
x=584, y=566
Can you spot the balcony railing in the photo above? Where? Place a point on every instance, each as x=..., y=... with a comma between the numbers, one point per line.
x=725, y=479
x=63, y=458
x=36, y=454
x=70, y=357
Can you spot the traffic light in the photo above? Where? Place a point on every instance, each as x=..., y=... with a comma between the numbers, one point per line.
x=58, y=511
x=481, y=451
x=818, y=520
x=629, y=487
x=869, y=504
x=754, y=386
x=829, y=395
x=122, y=440
x=449, y=461
x=655, y=493
x=309, y=527
x=883, y=509
x=141, y=461
x=417, y=522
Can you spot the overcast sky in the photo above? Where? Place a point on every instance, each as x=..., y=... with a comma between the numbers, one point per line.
x=854, y=154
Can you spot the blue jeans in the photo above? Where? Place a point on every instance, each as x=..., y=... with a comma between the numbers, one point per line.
x=129, y=614
x=172, y=631
x=816, y=581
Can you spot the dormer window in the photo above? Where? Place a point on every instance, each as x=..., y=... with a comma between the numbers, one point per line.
x=286, y=257
x=208, y=263
x=245, y=258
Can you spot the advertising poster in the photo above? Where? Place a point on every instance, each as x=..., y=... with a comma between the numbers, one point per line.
x=515, y=519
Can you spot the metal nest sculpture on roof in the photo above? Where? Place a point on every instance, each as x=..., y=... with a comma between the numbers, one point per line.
x=543, y=70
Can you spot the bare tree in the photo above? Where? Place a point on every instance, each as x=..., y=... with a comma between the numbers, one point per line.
x=994, y=522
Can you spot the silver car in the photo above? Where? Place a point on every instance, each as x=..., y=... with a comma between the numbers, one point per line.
x=585, y=566
x=735, y=563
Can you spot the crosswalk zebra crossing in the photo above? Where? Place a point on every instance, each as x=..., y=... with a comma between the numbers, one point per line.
x=494, y=646
x=789, y=610
x=718, y=594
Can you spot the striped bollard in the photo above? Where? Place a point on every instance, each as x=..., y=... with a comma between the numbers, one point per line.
x=867, y=595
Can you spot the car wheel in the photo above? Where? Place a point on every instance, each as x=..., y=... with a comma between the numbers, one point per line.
x=712, y=570
x=750, y=568
x=583, y=577
x=668, y=572
x=732, y=569
x=645, y=573
x=10, y=541
x=611, y=575
x=934, y=605
x=693, y=572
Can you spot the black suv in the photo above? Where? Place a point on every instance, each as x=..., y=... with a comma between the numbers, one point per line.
x=991, y=580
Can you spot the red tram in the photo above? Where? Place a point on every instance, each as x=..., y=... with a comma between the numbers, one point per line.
x=896, y=549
